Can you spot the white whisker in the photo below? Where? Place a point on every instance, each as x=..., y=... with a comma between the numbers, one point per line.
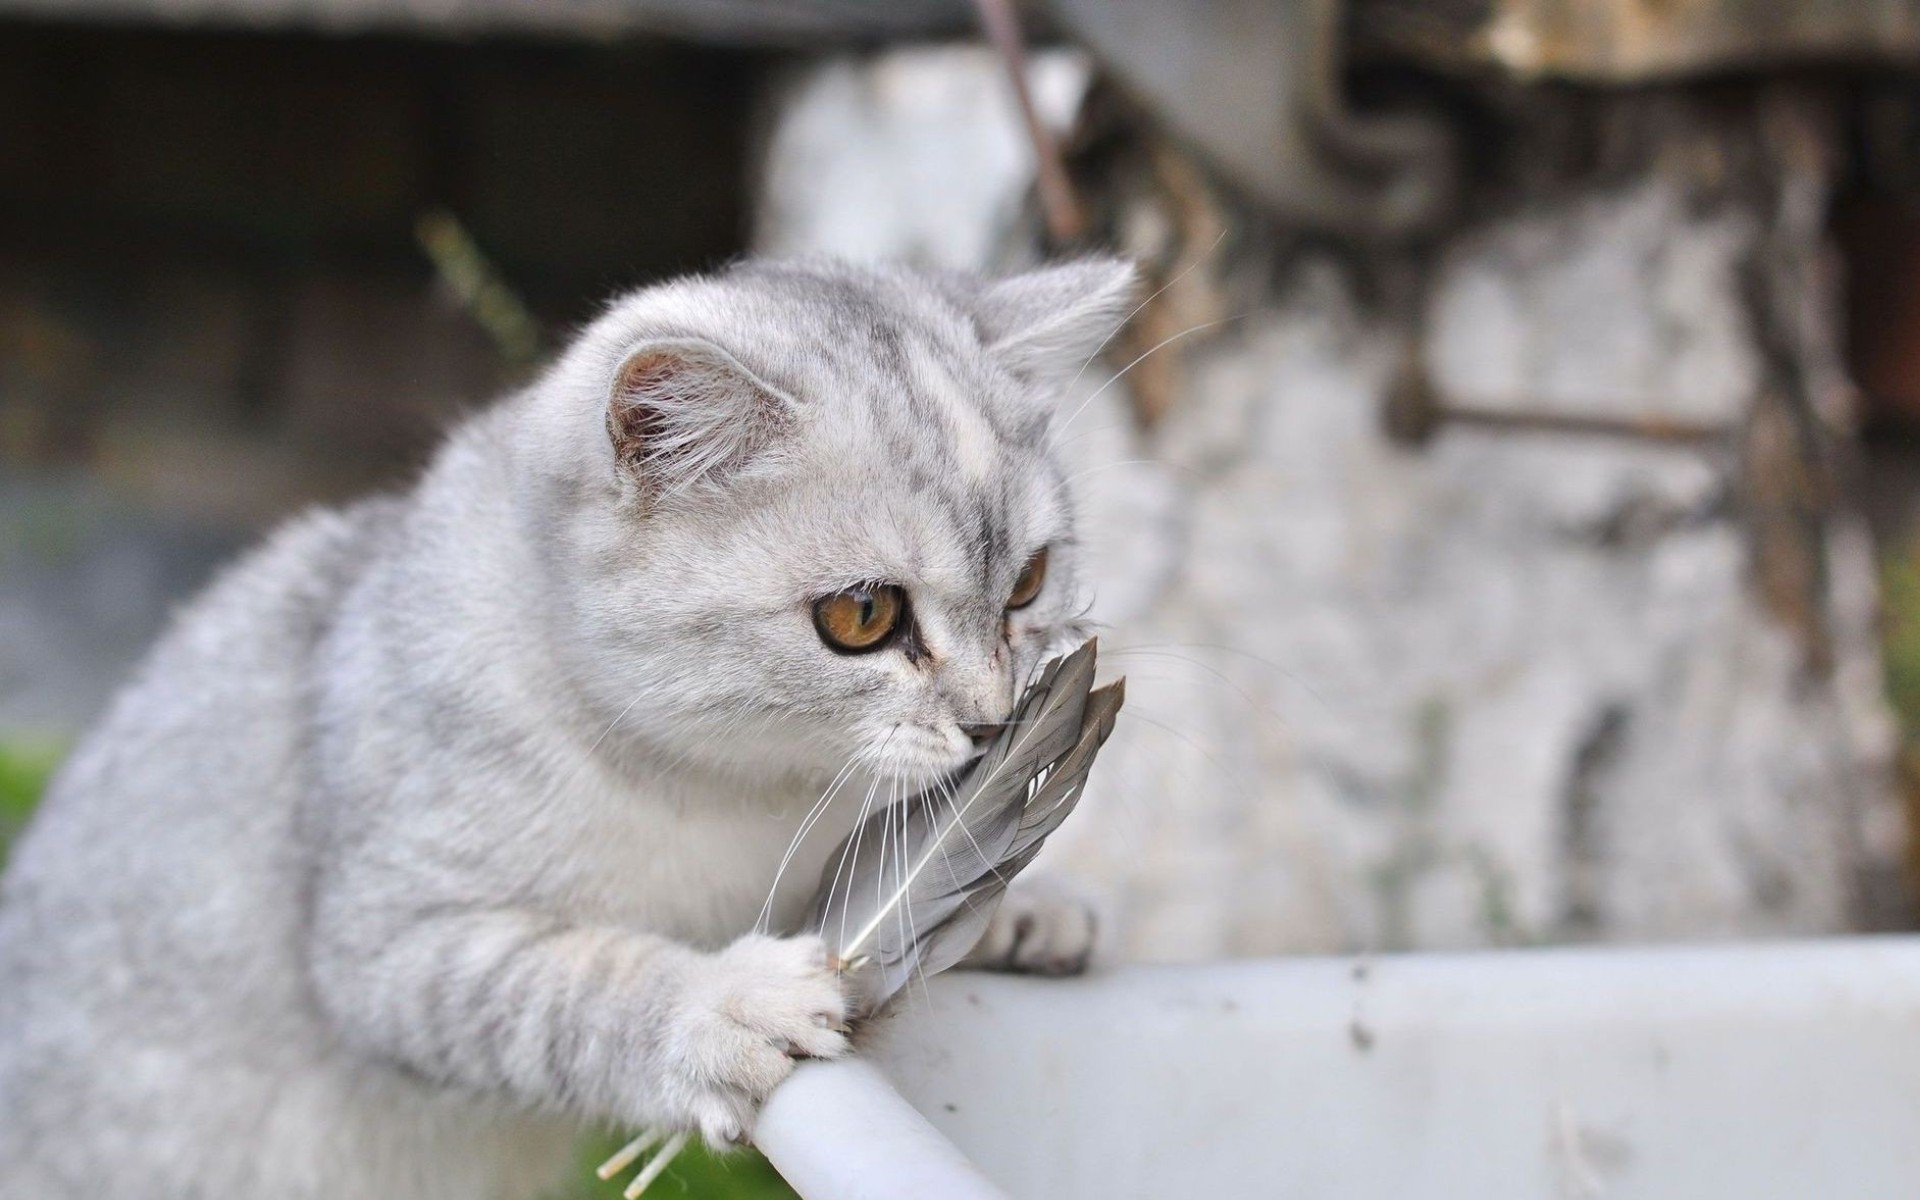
x=1141, y=307
x=1148, y=353
x=812, y=818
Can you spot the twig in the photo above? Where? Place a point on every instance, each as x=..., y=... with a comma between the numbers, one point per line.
x=1065, y=220
x=645, y=1178
x=625, y=1155
x=479, y=287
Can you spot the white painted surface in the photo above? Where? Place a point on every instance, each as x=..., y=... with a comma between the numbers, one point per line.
x=1787, y=1071
x=838, y=1131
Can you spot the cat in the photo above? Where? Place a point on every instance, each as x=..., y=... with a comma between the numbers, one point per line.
x=440, y=828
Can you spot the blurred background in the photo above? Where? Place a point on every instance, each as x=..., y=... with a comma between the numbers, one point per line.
x=1503, y=502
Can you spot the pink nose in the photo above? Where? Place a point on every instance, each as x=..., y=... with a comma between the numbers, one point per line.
x=982, y=734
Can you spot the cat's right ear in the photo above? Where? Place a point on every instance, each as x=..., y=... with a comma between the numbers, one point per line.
x=686, y=414
x=1047, y=323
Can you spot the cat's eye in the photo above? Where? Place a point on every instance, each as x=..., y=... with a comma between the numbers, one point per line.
x=861, y=618
x=1027, y=587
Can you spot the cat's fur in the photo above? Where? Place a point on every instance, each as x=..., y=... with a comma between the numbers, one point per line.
x=439, y=826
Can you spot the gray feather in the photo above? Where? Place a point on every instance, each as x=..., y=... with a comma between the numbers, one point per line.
x=912, y=888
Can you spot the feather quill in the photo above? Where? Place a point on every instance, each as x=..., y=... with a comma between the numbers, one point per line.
x=911, y=889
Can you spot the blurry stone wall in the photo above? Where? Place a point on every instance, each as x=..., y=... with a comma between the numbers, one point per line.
x=1486, y=591
x=1492, y=586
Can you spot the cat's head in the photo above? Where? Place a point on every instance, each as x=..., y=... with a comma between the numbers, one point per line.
x=812, y=514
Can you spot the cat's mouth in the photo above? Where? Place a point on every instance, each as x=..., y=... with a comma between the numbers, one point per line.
x=917, y=758
x=914, y=779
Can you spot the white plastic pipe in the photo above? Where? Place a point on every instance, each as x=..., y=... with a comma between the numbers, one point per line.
x=1773, y=1071
x=838, y=1131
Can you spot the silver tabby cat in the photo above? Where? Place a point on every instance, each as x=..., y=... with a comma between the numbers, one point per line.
x=440, y=827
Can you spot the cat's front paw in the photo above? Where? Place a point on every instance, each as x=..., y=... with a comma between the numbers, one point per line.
x=743, y=1017
x=1043, y=927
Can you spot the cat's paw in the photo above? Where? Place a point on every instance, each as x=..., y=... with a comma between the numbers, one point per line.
x=742, y=1019
x=1042, y=928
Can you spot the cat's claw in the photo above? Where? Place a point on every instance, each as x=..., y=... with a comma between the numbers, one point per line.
x=745, y=1015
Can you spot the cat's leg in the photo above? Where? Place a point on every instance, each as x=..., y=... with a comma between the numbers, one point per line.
x=604, y=1022
x=1045, y=926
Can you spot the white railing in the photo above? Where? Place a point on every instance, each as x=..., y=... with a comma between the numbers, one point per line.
x=1749, y=1072
x=838, y=1131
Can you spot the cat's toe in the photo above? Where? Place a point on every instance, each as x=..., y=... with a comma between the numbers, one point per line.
x=1044, y=930
x=746, y=1015
x=722, y=1120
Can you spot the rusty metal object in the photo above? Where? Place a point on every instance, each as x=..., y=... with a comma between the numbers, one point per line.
x=1185, y=304
x=1147, y=199
x=1256, y=86
x=1665, y=430
x=1064, y=217
x=1787, y=495
x=1633, y=41
x=1413, y=414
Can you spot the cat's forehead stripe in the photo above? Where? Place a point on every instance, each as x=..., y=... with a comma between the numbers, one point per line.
x=975, y=443
x=928, y=419
x=917, y=370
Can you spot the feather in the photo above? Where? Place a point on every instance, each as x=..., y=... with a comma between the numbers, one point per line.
x=912, y=888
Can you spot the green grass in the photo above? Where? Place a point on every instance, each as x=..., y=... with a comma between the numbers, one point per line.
x=694, y=1175
x=1900, y=658
x=1900, y=608
x=24, y=770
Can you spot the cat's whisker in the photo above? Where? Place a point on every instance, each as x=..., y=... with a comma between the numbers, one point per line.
x=886, y=830
x=905, y=923
x=731, y=720
x=850, y=853
x=946, y=791
x=952, y=797
x=1077, y=476
x=1149, y=352
x=806, y=826
x=1292, y=678
x=611, y=725
x=459, y=748
x=1244, y=787
x=941, y=786
x=1141, y=307
x=1178, y=468
x=935, y=884
x=559, y=789
x=1125, y=426
x=1221, y=676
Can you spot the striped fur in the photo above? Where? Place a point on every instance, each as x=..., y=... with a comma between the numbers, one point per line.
x=439, y=826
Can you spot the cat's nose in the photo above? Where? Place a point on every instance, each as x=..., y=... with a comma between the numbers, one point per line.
x=982, y=734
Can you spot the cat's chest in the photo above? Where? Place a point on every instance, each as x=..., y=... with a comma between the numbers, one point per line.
x=705, y=868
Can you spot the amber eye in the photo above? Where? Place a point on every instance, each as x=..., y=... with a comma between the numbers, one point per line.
x=1031, y=578
x=859, y=619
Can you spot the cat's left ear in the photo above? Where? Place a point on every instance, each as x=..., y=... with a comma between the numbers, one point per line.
x=1045, y=325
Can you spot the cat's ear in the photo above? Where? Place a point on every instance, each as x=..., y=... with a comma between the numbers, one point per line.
x=685, y=412
x=1046, y=324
